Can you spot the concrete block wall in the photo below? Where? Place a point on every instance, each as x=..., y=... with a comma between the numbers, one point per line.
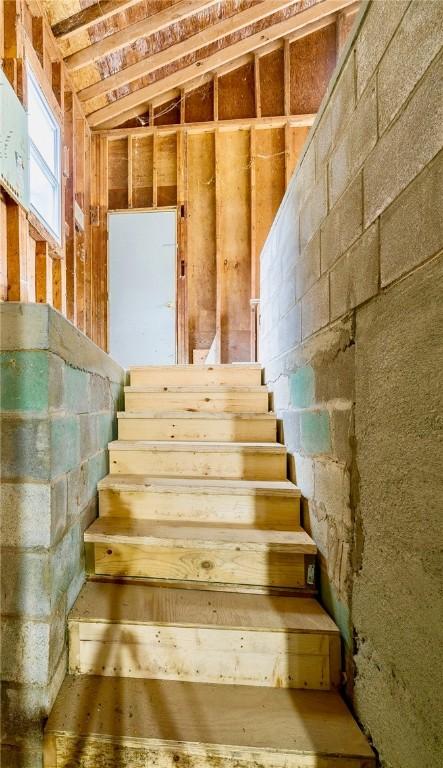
x=59, y=394
x=351, y=285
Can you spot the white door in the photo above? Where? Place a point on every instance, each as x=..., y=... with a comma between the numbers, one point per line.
x=142, y=287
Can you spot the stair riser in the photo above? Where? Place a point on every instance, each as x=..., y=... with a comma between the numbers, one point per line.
x=211, y=655
x=241, y=431
x=219, y=402
x=226, y=465
x=275, y=512
x=63, y=750
x=189, y=377
x=206, y=565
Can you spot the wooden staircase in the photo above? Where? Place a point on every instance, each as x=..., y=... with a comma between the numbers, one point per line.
x=197, y=640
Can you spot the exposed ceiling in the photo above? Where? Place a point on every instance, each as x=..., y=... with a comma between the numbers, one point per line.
x=124, y=55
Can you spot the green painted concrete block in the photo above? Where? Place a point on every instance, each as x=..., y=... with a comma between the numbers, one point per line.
x=315, y=432
x=106, y=429
x=302, y=387
x=76, y=390
x=97, y=468
x=24, y=381
x=25, y=448
x=65, y=444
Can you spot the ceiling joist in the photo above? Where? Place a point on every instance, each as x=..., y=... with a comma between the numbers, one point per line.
x=134, y=104
x=189, y=45
x=148, y=26
x=87, y=17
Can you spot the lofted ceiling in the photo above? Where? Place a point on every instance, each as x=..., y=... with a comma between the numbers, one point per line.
x=127, y=55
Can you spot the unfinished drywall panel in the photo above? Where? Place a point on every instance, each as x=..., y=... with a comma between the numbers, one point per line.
x=201, y=248
x=396, y=594
x=312, y=60
x=165, y=164
x=142, y=171
x=233, y=217
x=118, y=173
x=236, y=93
x=272, y=94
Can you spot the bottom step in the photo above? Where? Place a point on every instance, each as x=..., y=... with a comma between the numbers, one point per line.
x=105, y=722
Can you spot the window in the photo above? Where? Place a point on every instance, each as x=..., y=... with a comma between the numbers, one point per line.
x=44, y=160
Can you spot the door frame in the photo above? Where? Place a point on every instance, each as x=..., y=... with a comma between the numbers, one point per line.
x=180, y=295
x=181, y=320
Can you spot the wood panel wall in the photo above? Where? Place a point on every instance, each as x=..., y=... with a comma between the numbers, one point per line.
x=33, y=267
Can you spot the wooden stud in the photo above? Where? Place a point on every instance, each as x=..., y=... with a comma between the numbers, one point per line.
x=257, y=85
x=155, y=169
x=17, y=253
x=87, y=17
x=215, y=97
x=3, y=249
x=59, y=285
x=41, y=264
x=58, y=82
x=130, y=169
x=69, y=198
x=255, y=256
x=218, y=255
x=38, y=38
x=287, y=77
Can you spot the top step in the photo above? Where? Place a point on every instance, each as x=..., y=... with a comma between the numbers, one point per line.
x=236, y=374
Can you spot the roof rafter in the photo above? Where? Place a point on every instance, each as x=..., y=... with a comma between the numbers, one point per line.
x=132, y=105
x=189, y=45
x=143, y=28
x=87, y=17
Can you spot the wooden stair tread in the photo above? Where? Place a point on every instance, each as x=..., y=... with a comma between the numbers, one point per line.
x=212, y=535
x=195, y=485
x=195, y=445
x=204, y=716
x=144, y=604
x=191, y=388
x=197, y=366
x=202, y=415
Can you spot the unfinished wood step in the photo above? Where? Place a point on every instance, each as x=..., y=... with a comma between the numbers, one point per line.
x=120, y=721
x=243, y=461
x=234, y=374
x=263, y=503
x=211, y=398
x=235, y=427
x=176, y=634
x=201, y=553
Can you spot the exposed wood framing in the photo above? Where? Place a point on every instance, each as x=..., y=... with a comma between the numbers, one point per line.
x=128, y=35
x=134, y=103
x=87, y=17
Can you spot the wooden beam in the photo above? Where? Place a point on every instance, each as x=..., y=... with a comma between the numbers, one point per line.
x=295, y=121
x=87, y=17
x=287, y=77
x=17, y=252
x=134, y=103
x=143, y=28
x=257, y=86
x=207, y=36
x=41, y=263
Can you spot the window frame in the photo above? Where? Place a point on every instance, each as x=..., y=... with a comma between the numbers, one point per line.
x=35, y=155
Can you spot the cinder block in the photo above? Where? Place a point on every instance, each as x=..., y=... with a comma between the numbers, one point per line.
x=90, y=442
x=25, y=446
x=290, y=430
x=26, y=583
x=410, y=52
x=381, y=21
x=287, y=293
x=343, y=98
x=24, y=326
x=307, y=269
x=25, y=514
x=56, y=383
x=65, y=444
x=342, y=430
x=332, y=489
x=289, y=329
x=76, y=383
x=98, y=467
x=334, y=364
x=313, y=211
x=339, y=565
x=356, y=141
x=411, y=230
x=315, y=307
x=304, y=469
x=302, y=387
x=24, y=378
x=315, y=432
x=342, y=226
x=78, y=490
x=99, y=393
x=315, y=524
x=25, y=651
x=354, y=278
x=117, y=396
x=59, y=508
x=407, y=146
x=305, y=179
